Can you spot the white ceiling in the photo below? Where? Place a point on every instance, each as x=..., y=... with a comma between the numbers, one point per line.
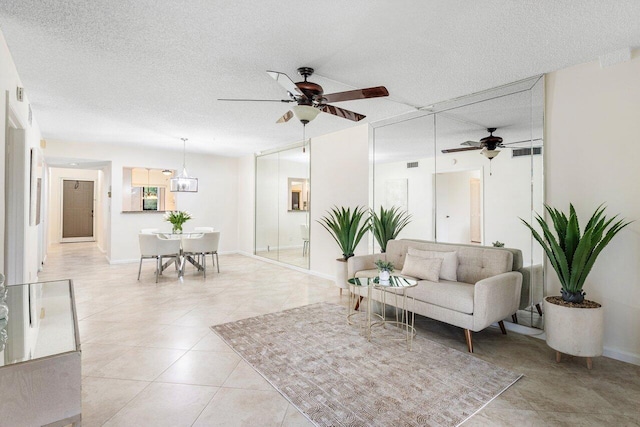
x=148, y=72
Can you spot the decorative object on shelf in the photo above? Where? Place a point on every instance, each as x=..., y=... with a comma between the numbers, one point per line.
x=574, y=325
x=385, y=268
x=498, y=244
x=347, y=227
x=183, y=182
x=388, y=224
x=177, y=219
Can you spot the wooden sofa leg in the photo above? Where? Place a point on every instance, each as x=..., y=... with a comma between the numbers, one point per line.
x=502, y=328
x=469, y=338
x=514, y=317
x=539, y=309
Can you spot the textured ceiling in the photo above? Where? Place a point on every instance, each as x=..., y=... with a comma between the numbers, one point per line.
x=149, y=72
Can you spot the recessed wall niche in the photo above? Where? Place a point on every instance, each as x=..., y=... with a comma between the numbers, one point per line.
x=147, y=190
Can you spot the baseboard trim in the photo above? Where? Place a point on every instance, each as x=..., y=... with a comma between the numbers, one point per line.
x=621, y=355
x=282, y=264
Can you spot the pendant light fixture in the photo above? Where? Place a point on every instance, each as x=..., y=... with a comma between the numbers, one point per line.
x=148, y=194
x=184, y=183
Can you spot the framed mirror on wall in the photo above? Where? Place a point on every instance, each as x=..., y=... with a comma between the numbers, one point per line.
x=283, y=198
x=147, y=190
x=458, y=191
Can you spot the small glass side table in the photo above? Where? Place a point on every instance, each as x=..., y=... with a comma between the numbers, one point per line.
x=395, y=288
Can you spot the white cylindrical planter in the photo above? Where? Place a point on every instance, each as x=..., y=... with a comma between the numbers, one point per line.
x=341, y=274
x=574, y=331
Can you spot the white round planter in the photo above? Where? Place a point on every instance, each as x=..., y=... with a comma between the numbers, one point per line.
x=341, y=274
x=574, y=331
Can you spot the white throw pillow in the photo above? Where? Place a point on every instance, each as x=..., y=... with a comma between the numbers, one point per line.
x=449, y=270
x=422, y=268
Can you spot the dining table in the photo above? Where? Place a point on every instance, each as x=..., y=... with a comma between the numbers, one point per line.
x=183, y=258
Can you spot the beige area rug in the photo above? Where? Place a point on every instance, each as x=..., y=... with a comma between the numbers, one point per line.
x=330, y=372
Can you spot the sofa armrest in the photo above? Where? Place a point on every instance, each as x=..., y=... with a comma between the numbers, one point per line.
x=496, y=298
x=362, y=262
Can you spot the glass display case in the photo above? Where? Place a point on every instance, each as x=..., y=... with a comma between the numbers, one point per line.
x=40, y=371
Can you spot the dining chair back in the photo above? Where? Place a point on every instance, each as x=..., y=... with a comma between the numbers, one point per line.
x=149, y=230
x=304, y=233
x=201, y=245
x=153, y=246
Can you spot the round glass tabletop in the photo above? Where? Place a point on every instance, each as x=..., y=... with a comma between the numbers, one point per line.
x=393, y=282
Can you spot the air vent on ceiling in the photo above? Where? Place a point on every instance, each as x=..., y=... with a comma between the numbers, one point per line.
x=412, y=165
x=518, y=152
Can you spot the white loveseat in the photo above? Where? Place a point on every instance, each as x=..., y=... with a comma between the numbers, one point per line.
x=486, y=289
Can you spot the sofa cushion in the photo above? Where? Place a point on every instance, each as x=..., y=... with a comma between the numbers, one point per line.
x=449, y=262
x=367, y=273
x=455, y=296
x=422, y=268
x=474, y=262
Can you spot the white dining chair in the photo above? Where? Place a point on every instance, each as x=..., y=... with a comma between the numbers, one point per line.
x=205, y=229
x=304, y=233
x=149, y=230
x=202, y=245
x=153, y=246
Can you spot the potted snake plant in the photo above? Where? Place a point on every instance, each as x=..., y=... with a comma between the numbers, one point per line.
x=574, y=325
x=347, y=227
x=387, y=224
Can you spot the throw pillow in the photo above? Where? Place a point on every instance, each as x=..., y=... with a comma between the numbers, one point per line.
x=422, y=268
x=449, y=270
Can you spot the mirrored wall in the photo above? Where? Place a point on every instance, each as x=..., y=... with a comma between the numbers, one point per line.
x=283, y=198
x=434, y=166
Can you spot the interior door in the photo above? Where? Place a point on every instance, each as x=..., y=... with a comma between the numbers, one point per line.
x=77, y=210
x=476, y=211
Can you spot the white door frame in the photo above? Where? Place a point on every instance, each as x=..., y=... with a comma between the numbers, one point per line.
x=15, y=212
x=76, y=239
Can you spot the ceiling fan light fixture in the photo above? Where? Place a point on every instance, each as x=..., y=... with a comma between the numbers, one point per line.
x=489, y=154
x=305, y=113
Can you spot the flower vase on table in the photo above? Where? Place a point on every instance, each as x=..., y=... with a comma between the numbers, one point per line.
x=177, y=219
x=384, y=270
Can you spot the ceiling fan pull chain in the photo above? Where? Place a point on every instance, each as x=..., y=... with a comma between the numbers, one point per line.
x=304, y=138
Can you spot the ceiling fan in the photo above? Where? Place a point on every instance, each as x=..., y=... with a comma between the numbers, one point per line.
x=488, y=144
x=310, y=98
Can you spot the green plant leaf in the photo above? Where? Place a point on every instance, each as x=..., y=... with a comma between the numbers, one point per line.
x=572, y=255
x=346, y=227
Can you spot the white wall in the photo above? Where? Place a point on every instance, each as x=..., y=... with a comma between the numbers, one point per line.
x=339, y=177
x=246, y=203
x=215, y=204
x=592, y=136
x=9, y=81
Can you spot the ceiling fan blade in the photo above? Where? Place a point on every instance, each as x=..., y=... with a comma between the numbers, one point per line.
x=519, y=142
x=455, y=150
x=256, y=100
x=370, y=92
x=286, y=83
x=286, y=117
x=472, y=143
x=341, y=112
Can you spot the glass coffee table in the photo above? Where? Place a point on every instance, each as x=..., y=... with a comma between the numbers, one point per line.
x=394, y=288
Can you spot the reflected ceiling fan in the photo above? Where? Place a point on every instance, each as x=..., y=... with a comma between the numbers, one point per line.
x=488, y=145
x=310, y=98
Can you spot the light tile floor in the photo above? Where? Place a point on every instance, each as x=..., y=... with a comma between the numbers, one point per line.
x=149, y=359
